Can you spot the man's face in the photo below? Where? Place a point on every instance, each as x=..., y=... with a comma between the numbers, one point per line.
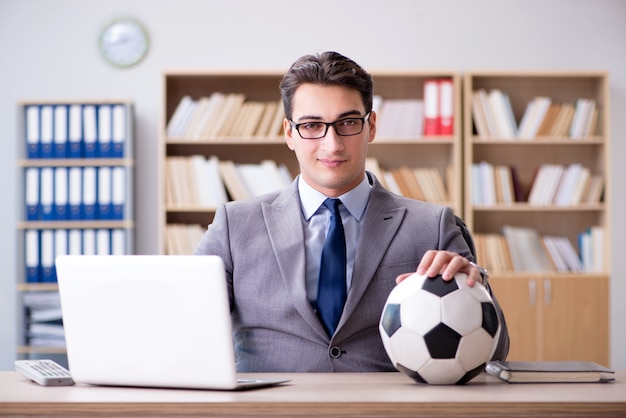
x=333, y=164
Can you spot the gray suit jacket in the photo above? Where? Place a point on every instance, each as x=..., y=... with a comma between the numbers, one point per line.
x=261, y=241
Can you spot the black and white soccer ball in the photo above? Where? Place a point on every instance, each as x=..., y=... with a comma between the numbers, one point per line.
x=439, y=332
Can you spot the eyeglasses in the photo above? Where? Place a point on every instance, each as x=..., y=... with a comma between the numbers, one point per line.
x=343, y=127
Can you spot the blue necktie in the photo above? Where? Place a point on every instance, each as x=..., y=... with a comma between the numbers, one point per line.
x=331, y=288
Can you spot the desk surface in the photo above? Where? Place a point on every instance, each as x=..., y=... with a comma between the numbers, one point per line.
x=362, y=394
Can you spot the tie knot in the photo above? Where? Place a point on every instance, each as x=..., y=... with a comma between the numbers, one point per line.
x=332, y=205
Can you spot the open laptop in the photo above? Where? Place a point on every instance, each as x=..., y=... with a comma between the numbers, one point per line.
x=150, y=321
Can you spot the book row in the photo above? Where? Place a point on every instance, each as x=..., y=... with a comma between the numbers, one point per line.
x=522, y=249
x=204, y=182
x=230, y=115
x=181, y=239
x=225, y=115
x=75, y=193
x=43, y=246
x=421, y=183
x=76, y=130
x=542, y=118
x=554, y=184
x=412, y=118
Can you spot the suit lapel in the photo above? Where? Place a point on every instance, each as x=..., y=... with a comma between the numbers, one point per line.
x=380, y=224
x=283, y=220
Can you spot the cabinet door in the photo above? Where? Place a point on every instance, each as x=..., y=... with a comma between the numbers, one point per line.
x=575, y=319
x=518, y=298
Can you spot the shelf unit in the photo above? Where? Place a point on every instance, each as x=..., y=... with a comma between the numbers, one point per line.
x=114, y=212
x=440, y=152
x=547, y=338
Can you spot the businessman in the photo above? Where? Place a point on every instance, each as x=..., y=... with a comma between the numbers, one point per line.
x=298, y=304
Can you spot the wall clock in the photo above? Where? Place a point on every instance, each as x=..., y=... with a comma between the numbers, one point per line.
x=123, y=42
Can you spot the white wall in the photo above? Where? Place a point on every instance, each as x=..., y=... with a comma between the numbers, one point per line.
x=48, y=51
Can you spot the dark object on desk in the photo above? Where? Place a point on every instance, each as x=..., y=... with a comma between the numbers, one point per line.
x=550, y=371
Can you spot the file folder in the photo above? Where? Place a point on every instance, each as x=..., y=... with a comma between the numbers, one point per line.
x=60, y=131
x=47, y=131
x=118, y=192
x=104, y=131
x=60, y=193
x=75, y=242
x=31, y=194
x=31, y=251
x=104, y=193
x=47, y=256
x=75, y=191
x=75, y=131
x=46, y=195
x=89, y=242
x=32, y=131
x=90, y=131
x=119, y=131
x=89, y=193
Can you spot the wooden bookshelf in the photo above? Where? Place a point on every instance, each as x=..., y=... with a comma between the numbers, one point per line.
x=551, y=316
x=442, y=152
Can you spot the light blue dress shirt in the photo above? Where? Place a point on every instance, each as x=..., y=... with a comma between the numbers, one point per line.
x=317, y=222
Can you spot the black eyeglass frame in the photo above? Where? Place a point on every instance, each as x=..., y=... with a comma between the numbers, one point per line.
x=333, y=124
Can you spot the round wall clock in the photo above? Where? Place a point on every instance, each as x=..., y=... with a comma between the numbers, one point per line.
x=123, y=42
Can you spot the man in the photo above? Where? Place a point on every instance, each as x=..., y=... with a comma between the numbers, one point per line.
x=272, y=245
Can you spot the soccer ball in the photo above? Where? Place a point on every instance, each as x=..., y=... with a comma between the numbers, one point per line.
x=439, y=332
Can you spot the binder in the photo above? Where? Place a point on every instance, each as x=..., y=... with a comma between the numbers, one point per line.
x=119, y=131
x=60, y=132
x=31, y=251
x=60, y=245
x=89, y=193
x=75, y=242
x=75, y=131
x=103, y=241
x=90, y=131
x=47, y=131
x=32, y=131
x=432, y=121
x=118, y=189
x=60, y=193
x=31, y=193
x=118, y=242
x=47, y=256
x=104, y=131
x=104, y=193
x=75, y=191
x=46, y=194
x=446, y=107
x=89, y=242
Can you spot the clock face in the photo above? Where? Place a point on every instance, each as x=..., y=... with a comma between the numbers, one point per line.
x=123, y=42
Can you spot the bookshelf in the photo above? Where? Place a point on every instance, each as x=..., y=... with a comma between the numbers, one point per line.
x=550, y=311
x=440, y=151
x=75, y=197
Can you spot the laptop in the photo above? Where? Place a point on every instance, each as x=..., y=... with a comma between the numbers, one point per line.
x=149, y=321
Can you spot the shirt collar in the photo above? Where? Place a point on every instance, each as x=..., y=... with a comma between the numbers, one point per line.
x=355, y=200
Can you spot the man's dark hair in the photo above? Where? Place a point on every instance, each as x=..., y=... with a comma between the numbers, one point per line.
x=330, y=69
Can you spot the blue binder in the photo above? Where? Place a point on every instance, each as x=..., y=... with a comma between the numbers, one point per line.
x=119, y=131
x=118, y=197
x=32, y=130
x=90, y=131
x=46, y=194
x=47, y=131
x=75, y=131
x=31, y=193
x=89, y=196
x=60, y=132
x=105, y=209
x=60, y=193
x=31, y=251
x=47, y=256
x=75, y=193
x=104, y=131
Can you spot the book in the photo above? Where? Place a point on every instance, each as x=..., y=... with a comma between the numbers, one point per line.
x=549, y=371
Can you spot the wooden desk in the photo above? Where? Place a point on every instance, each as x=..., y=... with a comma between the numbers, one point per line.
x=370, y=394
